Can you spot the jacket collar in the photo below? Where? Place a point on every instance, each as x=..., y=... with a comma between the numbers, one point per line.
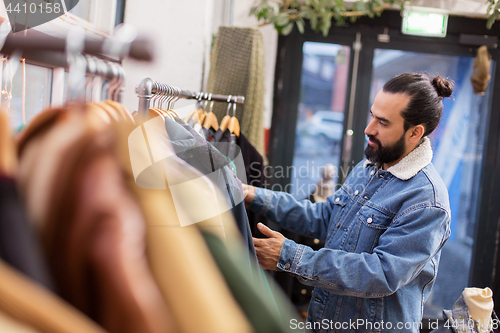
x=412, y=163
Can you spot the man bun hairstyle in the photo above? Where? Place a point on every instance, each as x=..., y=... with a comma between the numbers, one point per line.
x=426, y=98
x=443, y=87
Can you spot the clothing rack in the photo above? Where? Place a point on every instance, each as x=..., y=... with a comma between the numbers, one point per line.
x=102, y=57
x=56, y=59
x=77, y=52
x=32, y=42
x=148, y=88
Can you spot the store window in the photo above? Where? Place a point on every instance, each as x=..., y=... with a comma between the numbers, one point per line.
x=319, y=130
x=38, y=90
x=80, y=8
x=102, y=15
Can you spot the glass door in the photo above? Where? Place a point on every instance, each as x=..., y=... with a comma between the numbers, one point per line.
x=457, y=144
x=320, y=121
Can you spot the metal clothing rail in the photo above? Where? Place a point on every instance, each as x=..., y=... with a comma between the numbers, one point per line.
x=82, y=56
x=148, y=88
x=57, y=59
x=31, y=42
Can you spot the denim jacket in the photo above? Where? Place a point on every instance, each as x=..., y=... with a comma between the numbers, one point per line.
x=384, y=231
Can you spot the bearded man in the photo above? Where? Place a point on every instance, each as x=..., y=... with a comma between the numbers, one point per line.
x=384, y=228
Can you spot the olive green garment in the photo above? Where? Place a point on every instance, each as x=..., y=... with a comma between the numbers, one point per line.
x=267, y=309
x=237, y=67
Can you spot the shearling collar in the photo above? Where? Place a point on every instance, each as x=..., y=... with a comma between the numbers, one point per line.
x=412, y=163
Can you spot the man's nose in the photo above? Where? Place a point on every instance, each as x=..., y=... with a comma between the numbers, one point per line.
x=370, y=128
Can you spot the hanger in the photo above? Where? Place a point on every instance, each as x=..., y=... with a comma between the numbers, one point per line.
x=115, y=83
x=234, y=124
x=225, y=121
x=201, y=112
x=11, y=66
x=110, y=105
x=75, y=43
x=103, y=70
x=177, y=96
x=117, y=88
x=114, y=114
x=192, y=114
x=89, y=83
x=211, y=119
x=154, y=112
x=168, y=94
x=8, y=159
x=106, y=114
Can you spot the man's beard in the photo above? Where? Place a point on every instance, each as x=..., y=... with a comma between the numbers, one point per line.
x=381, y=155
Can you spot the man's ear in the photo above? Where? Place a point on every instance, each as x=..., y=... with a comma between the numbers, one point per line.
x=416, y=133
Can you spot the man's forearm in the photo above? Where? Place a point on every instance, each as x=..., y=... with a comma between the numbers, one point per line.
x=302, y=217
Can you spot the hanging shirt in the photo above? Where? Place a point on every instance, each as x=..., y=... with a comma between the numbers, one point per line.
x=196, y=151
x=18, y=245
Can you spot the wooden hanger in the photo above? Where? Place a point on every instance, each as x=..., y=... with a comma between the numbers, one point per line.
x=170, y=107
x=121, y=110
x=234, y=124
x=111, y=111
x=210, y=119
x=157, y=111
x=201, y=115
x=8, y=160
x=99, y=112
x=168, y=92
x=195, y=114
x=173, y=113
x=153, y=112
x=225, y=121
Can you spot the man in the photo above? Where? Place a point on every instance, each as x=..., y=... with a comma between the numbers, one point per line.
x=384, y=228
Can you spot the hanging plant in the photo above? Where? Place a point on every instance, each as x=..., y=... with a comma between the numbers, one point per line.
x=493, y=12
x=285, y=14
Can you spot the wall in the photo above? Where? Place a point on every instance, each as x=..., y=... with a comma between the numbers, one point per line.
x=241, y=18
x=178, y=29
x=182, y=31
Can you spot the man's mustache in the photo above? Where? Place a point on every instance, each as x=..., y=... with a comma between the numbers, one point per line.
x=373, y=139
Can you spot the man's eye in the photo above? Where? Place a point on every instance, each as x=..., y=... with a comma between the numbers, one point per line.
x=381, y=123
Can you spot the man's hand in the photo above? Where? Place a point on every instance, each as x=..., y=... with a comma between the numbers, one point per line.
x=268, y=249
x=248, y=194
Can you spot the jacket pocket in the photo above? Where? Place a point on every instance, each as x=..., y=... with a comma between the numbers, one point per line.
x=373, y=224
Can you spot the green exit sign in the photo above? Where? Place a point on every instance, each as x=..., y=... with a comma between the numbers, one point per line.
x=427, y=22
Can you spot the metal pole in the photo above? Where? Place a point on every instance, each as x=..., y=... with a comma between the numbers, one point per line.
x=145, y=91
x=347, y=153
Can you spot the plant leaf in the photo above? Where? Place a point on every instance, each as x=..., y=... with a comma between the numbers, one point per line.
x=287, y=29
x=492, y=18
x=300, y=25
x=281, y=20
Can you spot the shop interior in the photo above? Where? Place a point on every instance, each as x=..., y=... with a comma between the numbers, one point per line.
x=295, y=102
